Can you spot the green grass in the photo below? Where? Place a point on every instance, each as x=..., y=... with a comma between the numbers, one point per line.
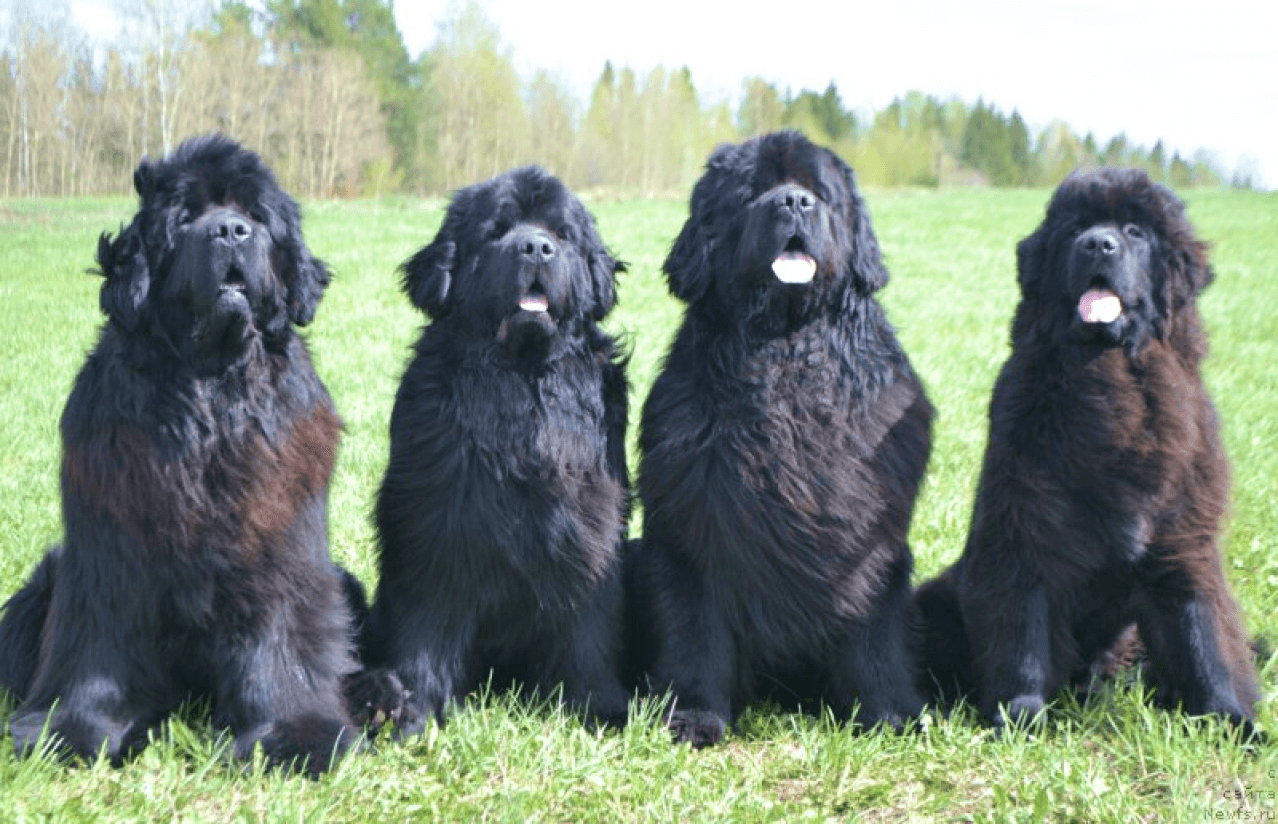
x=951, y=297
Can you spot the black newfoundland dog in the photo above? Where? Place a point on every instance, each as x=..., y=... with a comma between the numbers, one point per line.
x=502, y=511
x=1104, y=480
x=197, y=448
x=783, y=445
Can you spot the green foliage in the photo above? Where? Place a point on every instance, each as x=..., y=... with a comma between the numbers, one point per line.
x=761, y=110
x=478, y=115
x=1112, y=759
x=326, y=91
x=368, y=28
x=821, y=116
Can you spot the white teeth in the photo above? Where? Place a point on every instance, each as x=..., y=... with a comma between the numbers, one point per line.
x=534, y=303
x=794, y=267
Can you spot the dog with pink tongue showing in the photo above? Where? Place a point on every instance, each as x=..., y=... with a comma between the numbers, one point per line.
x=1099, y=306
x=502, y=514
x=1105, y=482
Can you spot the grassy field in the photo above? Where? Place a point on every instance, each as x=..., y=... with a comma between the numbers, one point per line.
x=951, y=297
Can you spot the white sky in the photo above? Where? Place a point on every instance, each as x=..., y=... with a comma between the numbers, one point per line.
x=1196, y=75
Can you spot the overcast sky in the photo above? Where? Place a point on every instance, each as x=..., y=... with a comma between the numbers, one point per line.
x=1196, y=75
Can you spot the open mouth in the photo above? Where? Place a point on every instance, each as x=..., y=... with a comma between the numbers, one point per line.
x=794, y=265
x=1099, y=304
x=535, y=301
x=234, y=281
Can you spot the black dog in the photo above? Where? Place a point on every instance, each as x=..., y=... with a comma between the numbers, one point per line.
x=198, y=443
x=502, y=511
x=783, y=445
x=1104, y=480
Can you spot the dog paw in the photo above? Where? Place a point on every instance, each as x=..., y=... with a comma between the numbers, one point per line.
x=1022, y=711
x=309, y=744
x=700, y=728
x=375, y=698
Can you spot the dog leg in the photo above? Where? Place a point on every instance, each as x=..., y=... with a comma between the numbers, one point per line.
x=286, y=694
x=431, y=656
x=1014, y=656
x=91, y=717
x=589, y=666
x=25, y=614
x=696, y=659
x=1198, y=653
x=876, y=666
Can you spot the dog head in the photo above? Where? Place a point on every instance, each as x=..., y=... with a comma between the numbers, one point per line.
x=214, y=257
x=518, y=260
x=1113, y=260
x=776, y=229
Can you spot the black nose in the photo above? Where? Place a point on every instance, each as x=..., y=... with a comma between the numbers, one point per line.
x=1099, y=240
x=230, y=229
x=534, y=245
x=797, y=199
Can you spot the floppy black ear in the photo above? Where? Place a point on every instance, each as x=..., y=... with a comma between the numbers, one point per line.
x=601, y=265
x=603, y=283
x=687, y=267
x=307, y=287
x=1190, y=273
x=144, y=178
x=1188, y=270
x=1030, y=260
x=428, y=275
x=123, y=263
x=866, y=263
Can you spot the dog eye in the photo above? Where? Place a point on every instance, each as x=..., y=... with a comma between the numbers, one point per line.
x=1133, y=231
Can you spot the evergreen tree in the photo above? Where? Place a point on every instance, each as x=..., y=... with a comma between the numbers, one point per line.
x=366, y=27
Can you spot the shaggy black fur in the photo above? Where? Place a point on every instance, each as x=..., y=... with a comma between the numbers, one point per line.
x=502, y=511
x=783, y=444
x=198, y=443
x=1104, y=481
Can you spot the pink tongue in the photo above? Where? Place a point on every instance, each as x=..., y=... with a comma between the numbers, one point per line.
x=794, y=267
x=1099, y=306
x=534, y=303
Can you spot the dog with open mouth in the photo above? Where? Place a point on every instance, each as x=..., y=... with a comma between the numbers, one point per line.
x=197, y=448
x=503, y=508
x=783, y=444
x=1104, y=482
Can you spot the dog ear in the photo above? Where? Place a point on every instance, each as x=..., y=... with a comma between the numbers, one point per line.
x=1188, y=271
x=307, y=287
x=866, y=263
x=1030, y=260
x=123, y=263
x=428, y=275
x=604, y=269
x=144, y=178
x=687, y=267
x=307, y=278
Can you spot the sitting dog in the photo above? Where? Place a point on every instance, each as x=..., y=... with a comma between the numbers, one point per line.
x=783, y=445
x=502, y=512
x=1104, y=481
x=197, y=447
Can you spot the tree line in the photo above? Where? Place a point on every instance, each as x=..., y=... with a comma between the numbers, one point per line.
x=327, y=93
